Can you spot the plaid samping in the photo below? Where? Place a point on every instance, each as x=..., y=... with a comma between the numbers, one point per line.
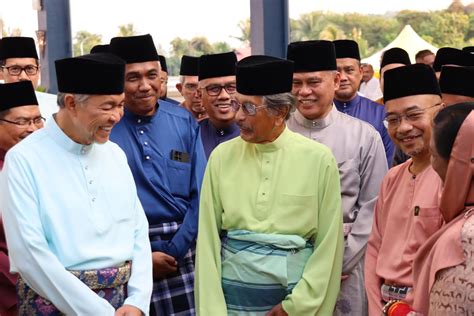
x=173, y=296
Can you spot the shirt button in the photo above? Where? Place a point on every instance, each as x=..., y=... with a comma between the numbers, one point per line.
x=83, y=151
x=141, y=132
x=90, y=182
x=147, y=157
x=263, y=193
x=417, y=210
x=145, y=143
x=86, y=167
x=93, y=199
x=266, y=178
x=139, y=121
x=268, y=161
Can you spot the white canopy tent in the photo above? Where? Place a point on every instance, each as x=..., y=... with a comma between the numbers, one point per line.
x=409, y=40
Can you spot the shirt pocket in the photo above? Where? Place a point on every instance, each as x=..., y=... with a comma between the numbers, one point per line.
x=426, y=222
x=179, y=177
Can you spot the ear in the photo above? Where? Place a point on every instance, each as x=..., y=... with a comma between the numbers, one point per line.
x=70, y=103
x=179, y=86
x=337, y=80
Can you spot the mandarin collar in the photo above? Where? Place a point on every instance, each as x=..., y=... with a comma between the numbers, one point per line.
x=318, y=123
x=341, y=105
x=222, y=131
x=57, y=134
x=135, y=118
x=281, y=142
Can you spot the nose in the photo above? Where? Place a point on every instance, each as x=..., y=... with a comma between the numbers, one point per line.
x=405, y=125
x=117, y=114
x=305, y=90
x=144, y=85
x=240, y=116
x=23, y=76
x=223, y=95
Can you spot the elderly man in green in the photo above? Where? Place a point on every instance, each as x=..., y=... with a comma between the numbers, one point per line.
x=271, y=205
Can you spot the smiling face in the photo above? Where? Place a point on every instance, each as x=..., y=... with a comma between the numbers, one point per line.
x=94, y=119
x=314, y=92
x=218, y=107
x=263, y=127
x=10, y=133
x=142, y=87
x=413, y=136
x=23, y=76
x=351, y=75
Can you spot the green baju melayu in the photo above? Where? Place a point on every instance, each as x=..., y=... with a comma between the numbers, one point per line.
x=286, y=192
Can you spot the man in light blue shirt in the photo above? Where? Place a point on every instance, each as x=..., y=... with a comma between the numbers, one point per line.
x=76, y=231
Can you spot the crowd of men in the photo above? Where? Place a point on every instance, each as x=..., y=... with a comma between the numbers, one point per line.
x=277, y=187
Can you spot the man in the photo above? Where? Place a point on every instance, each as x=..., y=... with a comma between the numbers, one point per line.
x=188, y=87
x=391, y=59
x=348, y=101
x=19, y=117
x=362, y=163
x=217, y=88
x=456, y=84
x=19, y=62
x=164, y=81
x=165, y=153
x=426, y=57
x=370, y=86
x=76, y=231
x=276, y=195
x=406, y=212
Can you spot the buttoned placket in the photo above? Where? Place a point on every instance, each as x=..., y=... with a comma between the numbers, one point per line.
x=90, y=176
x=144, y=140
x=264, y=194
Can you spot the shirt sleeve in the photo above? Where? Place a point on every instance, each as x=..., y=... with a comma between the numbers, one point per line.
x=316, y=293
x=140, y=284
x=373, y=169
x=209, y=297
x=29, y=251
x=178, y=246
x=372, y=281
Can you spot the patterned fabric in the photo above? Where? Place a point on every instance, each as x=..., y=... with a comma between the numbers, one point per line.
x=108, y=283
x=394, y=292
x=173, y=295
x=260, y=270
x=452, y=292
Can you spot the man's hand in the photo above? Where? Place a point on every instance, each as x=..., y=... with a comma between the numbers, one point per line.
x=344, y=277
x=163, y=264
x=128, y=310
x=277, y=311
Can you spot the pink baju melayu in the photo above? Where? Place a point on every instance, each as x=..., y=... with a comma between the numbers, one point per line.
x=406, y=215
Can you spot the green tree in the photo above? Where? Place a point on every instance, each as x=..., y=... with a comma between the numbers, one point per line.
x=446, y=29
x=244, y=27
x=221, y=47
x=308, y=27
x=84, y=41
x=201, y=45
x=127, y=30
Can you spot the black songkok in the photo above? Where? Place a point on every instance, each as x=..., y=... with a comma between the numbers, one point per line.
x=217, y=65
x=17, y=47
x=448, y=56
x=100, y=49
x=347, y=49
x=17, y=94
x=410, y=80
x=395, y=55
x=264, y=75
x=163, y=65
x=134, y=49
x=311, y=56
x=457, y=80
x=100, y=74
x=189, y=66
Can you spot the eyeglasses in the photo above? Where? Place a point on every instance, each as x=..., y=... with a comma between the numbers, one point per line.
x=248, y=108
x=214, y=89
x=16, y=70
x=192, y=87
x=394, y=120
x=26, y=122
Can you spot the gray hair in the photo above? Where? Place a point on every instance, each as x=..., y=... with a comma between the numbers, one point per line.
x=280, y=101
x=79, y=98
